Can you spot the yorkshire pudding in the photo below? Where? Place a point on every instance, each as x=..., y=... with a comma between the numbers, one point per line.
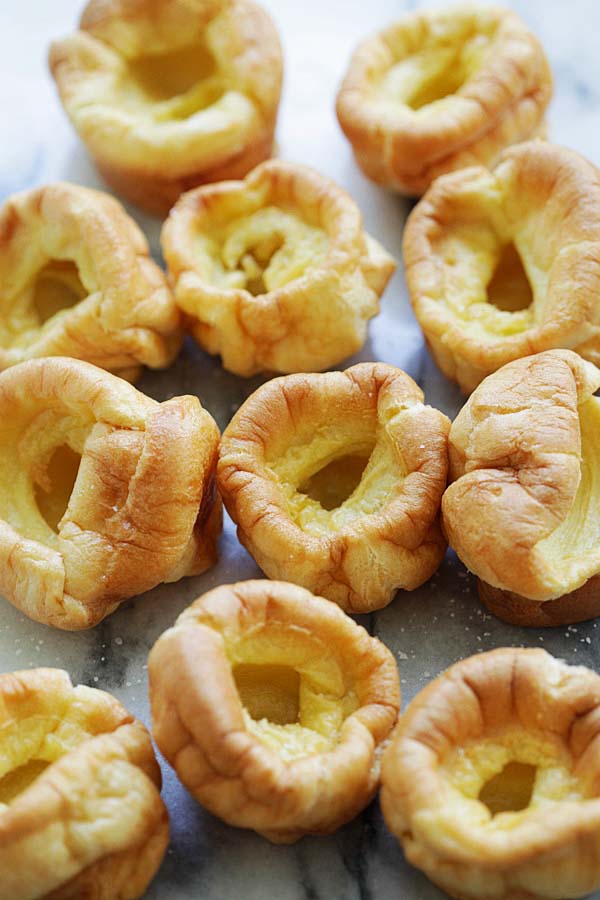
x=273, y=706
x=76, y=280
x=80, y=808
x=440, y=90
x=335, y=482
x=492, y=779
x=169, y=94
x=104, y=493
x=275, y=272
x=506, y=263
x=524, y=511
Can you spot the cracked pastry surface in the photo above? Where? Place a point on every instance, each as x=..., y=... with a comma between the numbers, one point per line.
x=76, y=279
x=523, y=512
x=491, y=781
x=275, y=273
x=506, y=263
x=440, y=90
x=335, y=480
x=104, y=493
x=80, y=807
x=169, y=94
x=273, y=707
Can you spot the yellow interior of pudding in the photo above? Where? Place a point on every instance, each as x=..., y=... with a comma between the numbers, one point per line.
x=171, y=85
x=294, y=692
x=497, y=781
x=438, y=69
x=261, y=251
x=345, y=471
x=491, y=288
x=40, y=455
x=54, y=289
x=571, y=553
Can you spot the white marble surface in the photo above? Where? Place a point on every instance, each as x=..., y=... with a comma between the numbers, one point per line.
x=428, y=629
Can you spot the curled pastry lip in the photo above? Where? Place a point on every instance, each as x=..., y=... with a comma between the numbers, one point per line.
x=522, y=509
x=141, y=509
x=494, y=87
x=304, y=304
x=466, y=728
x=171, y=95
x=79, y=792
x=541, y=201
x=307, y=775
x=385, y=533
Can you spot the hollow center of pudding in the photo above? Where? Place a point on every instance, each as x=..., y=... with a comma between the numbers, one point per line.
x=441, y=66
x=57, y=286
x=269, y=692
x=52, y=496
x=18, y=780
x=336, y=482
x=571, y=553
x=262, y=251
x=509, y=288
x=510, y=790
x=168, y=75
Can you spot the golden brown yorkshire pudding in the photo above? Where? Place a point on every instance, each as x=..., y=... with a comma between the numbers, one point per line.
x=491, y=781
x=104, y=493
x=169, y=94
x=275, y=272
x=335, y=482
x=80, y=808
x=76, y=280
x=440, y=90
x=524, y=510
x=273, y=706
x=506, y=263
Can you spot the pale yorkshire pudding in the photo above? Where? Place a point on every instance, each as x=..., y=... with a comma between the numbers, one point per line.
x=491, y=781
x=80, y=807
x=76, y=279
x=442, y=89
x=273, y=707
x=104, y=493
x=169, y=94
x=524, y=510
x=335, y=482
x=275, y=272
x=506, y=263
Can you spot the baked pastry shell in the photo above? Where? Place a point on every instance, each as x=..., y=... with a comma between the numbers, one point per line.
x=542, y=199
x=314, y=319
x=168, y=141
x=142, y=508
x=520, y=512
x=64, y=233
x=549, y=850
x=500, y=101
x=199, y=724
x=92, y=823
x=386, y=534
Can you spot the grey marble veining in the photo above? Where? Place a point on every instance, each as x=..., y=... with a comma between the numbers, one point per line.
x=428, y=629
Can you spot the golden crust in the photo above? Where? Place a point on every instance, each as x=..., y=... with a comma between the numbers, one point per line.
x=80, y=807
x=291, y=657
x=478, y=305
x=275, y=272
x=77, y=280
x=528, y=725
x=167, y=95
x=335, y=482
x=104, y=493
x=522, y=512
x=440, y=90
